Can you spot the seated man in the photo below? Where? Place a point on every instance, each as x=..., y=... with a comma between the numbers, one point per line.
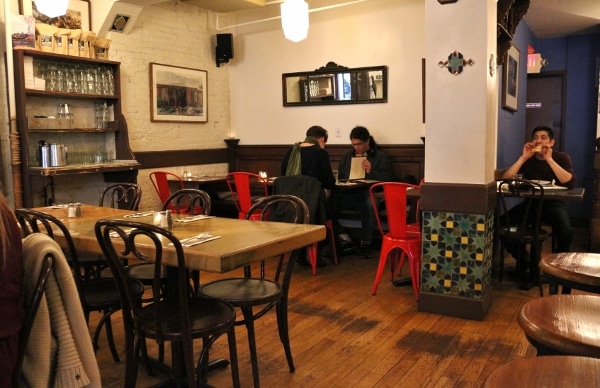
x=377, y=166
x=539, y=161
x=310, y=158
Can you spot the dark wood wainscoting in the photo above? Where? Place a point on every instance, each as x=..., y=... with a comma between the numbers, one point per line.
x=406, y=159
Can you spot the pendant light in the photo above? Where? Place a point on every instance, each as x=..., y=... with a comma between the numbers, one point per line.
x=52, y=8
x=294, y=19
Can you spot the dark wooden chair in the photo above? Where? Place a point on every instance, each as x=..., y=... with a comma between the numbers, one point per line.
x=121, y=196
x=117, y=196
x=96, y=294
x=522, y=232
x=563, y=324
x=184, y=201
x=32, y=305
x=265, y=291
x=309, y=189
x=176, y=316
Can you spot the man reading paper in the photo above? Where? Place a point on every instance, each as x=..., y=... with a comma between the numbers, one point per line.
x=375, y=165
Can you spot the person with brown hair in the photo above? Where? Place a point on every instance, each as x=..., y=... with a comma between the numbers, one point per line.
x=12, y=304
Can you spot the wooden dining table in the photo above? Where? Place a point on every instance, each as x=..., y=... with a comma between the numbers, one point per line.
x=241, y=242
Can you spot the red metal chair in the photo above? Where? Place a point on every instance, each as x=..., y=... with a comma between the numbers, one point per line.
x=246, y=188
x=160, y=182
x=399, y=239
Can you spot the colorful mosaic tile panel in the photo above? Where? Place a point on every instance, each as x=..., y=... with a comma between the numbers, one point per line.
x=457, y=253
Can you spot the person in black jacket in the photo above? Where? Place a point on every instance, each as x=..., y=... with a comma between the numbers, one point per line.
x=377, y=167
x=313, y=161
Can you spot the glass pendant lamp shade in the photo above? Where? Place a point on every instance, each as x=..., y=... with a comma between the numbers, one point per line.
x=52, y=8
x=294, y=19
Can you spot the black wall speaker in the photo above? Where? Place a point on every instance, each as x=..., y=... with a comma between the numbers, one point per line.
x=224, y=48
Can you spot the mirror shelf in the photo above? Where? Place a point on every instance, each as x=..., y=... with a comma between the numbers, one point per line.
x=333, y=84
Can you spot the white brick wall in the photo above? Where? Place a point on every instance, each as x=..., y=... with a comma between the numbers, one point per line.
x=172, y=34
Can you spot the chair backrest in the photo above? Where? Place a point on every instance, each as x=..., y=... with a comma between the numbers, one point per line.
x=32, y=307
x=394, y=197
x=145, y=242
x=279, y=208
x=307, y=188
x=188, y=201
x=244, y=188
x=33, y=221
x=161, y=183
x=532, y=193
x=122, y=196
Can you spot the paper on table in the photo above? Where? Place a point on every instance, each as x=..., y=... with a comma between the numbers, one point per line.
x=199, y=239
x=193, y=218
x=356, y=169
x=138, y=215
x=553, y=187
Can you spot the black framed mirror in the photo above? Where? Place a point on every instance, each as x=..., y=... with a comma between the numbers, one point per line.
x=333, y=84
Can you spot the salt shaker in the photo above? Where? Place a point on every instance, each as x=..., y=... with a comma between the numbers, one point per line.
x=78, y=209
x=166, y=220
x=157, y=219
x=72, y=210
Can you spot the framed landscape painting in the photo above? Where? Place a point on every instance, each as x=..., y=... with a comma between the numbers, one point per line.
x=177, y=94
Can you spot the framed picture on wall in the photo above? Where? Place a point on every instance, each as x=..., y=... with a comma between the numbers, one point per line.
x=177, y=94
x=510, y=82
x=78, y=16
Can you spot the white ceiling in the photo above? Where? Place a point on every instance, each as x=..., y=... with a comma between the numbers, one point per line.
x=557, y=18
x=546, y=18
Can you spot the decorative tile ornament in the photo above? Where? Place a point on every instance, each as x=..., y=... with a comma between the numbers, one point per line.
x=455, y=63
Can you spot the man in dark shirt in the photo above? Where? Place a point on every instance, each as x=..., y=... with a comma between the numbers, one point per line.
x=377, y=167
x=310, y=158
x=540, y=162
x=314, y=160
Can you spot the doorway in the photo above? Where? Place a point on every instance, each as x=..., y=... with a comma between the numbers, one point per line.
x=545, y=104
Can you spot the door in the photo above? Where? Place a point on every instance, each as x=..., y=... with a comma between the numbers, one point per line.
x=545, y=104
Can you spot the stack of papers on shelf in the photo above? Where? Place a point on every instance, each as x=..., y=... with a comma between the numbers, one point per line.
x=28, y=71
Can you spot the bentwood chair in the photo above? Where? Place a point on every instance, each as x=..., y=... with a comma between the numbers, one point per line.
x=184, y=201
x=524, y=229
x=191, y=202
x=96, y=294
x=246, y=188
x=309, y=189
x=399, y=239
x=160, y=182
x=33, y=298
x=264, y=291
x=177, y=317
x=121, y=196
x=117, y=196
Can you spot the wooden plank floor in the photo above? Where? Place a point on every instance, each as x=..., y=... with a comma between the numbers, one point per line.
x=342, y=336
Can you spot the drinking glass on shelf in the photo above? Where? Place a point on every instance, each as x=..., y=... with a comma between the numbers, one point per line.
x=51, y=83
x=101, y=114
